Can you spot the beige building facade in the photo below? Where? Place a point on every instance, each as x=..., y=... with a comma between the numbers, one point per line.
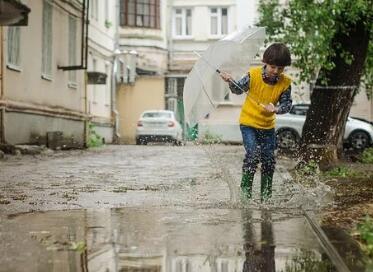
x=40, y=101
x=101, y=57
x=143, y=62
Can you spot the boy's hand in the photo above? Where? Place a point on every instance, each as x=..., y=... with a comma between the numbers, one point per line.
x=225, y=76
x=270, y=108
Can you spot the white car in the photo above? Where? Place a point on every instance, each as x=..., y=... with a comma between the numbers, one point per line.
x=358, y=134
x=158, y=126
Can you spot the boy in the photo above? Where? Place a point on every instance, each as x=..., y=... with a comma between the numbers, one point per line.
x=265, y=87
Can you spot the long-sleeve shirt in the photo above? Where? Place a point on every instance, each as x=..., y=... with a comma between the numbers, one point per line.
x=285, y=100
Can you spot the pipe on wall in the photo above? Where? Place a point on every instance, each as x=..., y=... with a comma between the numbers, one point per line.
x=2, y=108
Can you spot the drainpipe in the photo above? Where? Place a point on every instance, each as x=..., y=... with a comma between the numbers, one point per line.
x=86, y=120
x=2, y=116
x=114, y=87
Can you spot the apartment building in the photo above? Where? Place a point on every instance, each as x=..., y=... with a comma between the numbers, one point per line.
x=42, y=102
x=101, y=57
x=144, y=58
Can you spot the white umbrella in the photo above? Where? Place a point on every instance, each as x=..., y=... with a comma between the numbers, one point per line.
x=203, y=88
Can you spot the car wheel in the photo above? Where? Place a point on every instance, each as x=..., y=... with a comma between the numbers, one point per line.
x=141, y=141
x=177, y=143
x=287, y=139
x=359, y=139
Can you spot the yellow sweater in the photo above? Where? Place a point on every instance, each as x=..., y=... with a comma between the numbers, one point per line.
x=252, y=113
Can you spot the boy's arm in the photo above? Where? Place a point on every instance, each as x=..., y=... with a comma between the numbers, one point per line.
x=285, y=102
x=243, y=83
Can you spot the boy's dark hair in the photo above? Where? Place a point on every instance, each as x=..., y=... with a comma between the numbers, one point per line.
x=277, y=54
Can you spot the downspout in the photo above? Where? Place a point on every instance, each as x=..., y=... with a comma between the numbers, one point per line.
x=115, y=113
x=2, y=116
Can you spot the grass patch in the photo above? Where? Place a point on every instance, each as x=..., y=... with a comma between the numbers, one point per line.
x=341, y=171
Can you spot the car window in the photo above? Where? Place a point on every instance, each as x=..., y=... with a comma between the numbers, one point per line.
x=299, y=109
x=157, y=115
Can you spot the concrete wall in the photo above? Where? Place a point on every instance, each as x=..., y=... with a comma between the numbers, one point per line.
x=22, y=128
x=132, y=100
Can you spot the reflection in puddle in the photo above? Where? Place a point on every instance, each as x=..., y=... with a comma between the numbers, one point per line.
x=181, y=240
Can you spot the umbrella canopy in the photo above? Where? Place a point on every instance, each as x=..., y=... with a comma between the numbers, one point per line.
x=203, y=88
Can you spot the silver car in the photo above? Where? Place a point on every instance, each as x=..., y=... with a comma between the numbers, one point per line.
x=358, y=134
x=158, y=126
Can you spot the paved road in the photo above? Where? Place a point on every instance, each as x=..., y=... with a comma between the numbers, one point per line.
x=117, y=176
x=181, y=203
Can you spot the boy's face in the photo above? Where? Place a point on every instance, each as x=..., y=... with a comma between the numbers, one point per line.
x=273, y=70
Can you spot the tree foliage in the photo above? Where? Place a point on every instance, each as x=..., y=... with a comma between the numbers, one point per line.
x=332, y=44
x=309, y=27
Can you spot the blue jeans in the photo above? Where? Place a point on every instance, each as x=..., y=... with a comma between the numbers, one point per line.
x=260, y=145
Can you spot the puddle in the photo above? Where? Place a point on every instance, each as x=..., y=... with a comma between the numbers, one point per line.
x=167, y=240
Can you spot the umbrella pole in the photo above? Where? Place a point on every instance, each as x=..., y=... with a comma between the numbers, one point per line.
x=232, y=81
x=204, y=90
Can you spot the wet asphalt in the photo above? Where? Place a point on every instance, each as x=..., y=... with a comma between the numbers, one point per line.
x=149, y=208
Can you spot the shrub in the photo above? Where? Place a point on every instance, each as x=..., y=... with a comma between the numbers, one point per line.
x=94, y=140
x=367, y=156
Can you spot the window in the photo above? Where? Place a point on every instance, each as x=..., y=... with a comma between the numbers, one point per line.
x=14, y=42
x=94, y=9
x=172, y=87
x=47, y=40
x=107, y=21
x=218, y=21
x=182, y=22
x=140, y=13
x=72, y=48
x=156, y=114
x=172, y=104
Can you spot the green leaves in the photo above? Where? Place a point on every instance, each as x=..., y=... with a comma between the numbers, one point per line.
x=309, y=27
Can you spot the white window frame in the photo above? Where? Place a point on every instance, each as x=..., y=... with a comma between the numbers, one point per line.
x=94, y=9
x=107, y=22
x=172, y=87
x=184, y=22
x=47, y=40
x=107, y=85
x=14, y=46
x=172, y=104
x=219, y=16
x=72, y=53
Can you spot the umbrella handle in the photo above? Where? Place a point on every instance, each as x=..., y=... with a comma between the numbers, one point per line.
x=236, y=84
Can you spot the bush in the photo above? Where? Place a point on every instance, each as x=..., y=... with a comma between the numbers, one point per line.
x=367, y=156
x=94, y=140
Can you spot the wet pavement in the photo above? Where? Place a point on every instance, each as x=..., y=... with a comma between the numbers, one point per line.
x=182, y=239
x=152, y=208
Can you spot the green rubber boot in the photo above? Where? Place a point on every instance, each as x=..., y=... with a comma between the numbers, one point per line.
x=247, y=184
x=266, y=187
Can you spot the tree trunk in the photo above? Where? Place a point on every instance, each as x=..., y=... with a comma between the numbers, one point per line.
x=330, y=104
